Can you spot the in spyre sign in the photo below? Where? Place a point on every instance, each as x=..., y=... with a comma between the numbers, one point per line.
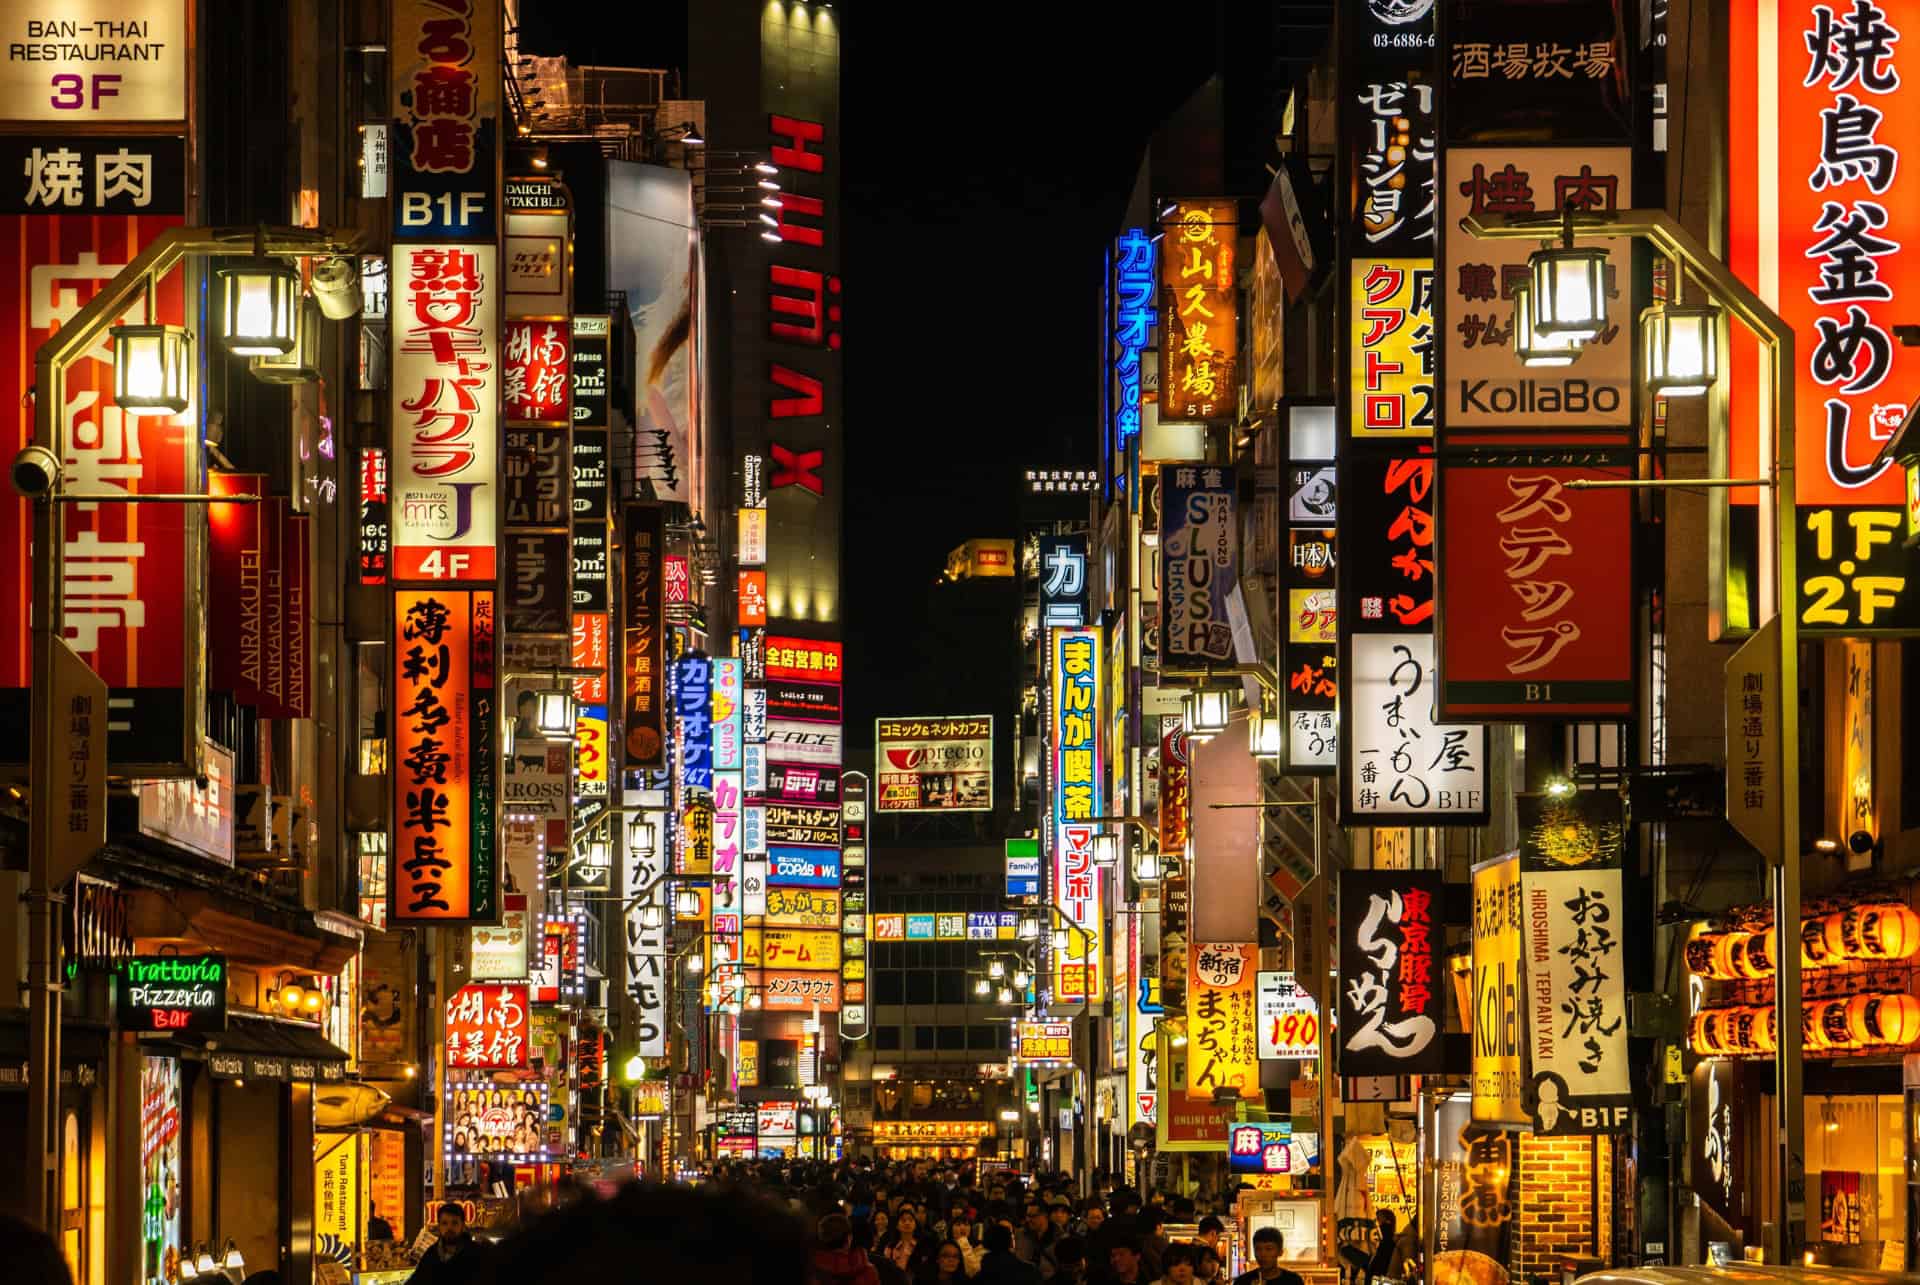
x=1390, y=978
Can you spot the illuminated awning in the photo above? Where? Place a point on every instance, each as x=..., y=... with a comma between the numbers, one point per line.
x=258, y=1049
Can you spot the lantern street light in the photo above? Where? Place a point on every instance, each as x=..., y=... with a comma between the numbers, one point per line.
x=686, y=903
x=153, y=367
x=1568, y=285
x=553, y=713
x=996, y=968
x=652, y=916
x=1532, y=347
x=259, y=307
x=1207, y=711
x=1680, y=349
x=1265, y=734
x=1146, y=866
x=1106, y=849
x=1029, y=928
x=300, y=364
x=1569, y=297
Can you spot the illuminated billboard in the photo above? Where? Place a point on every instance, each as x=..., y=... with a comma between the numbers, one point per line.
x=1074, y=728
x=934, y=764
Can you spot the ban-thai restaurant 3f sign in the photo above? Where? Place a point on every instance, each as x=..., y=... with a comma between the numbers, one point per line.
x=1823, y=132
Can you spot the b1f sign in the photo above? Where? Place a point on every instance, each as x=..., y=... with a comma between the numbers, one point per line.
x=111, y=60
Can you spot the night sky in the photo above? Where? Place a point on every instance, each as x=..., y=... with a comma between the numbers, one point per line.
x=989, y=152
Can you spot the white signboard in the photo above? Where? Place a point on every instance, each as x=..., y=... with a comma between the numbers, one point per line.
x=498, y=953
x=445, y=474
x=1576, y=1001
x=97, y=61
x=646, y=952
x=1404, y=761
x=199, y=817
x=1289, y=1021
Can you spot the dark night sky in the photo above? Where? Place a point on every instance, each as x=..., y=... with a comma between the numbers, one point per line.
x=989, y=151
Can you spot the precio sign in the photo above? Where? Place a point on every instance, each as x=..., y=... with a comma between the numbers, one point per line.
x=173, y=993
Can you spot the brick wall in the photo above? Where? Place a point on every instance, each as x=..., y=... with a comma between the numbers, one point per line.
x=1558, y=1203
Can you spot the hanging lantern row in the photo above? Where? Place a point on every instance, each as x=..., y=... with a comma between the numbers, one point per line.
x=1878, y=1020
x=1871, y=933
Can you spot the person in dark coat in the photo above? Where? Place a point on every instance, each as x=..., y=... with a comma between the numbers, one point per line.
x=456, y=1258
x=999, y=1266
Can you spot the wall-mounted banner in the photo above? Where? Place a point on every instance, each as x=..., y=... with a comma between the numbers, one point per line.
x=1485, y=385
x=1199, y=312
x=446, y=436
x=1199, y=565
x=488, y=1025
x=728, y=727
x=853, y=906
x=645, y=685
x=934, y=764
x=1576, y=1001
x=1819, y=124
x=1499, y=1014
x=539, y=594
x=444, y=757
x=1063, y=581
x=1536, y=589
x=1074, y=713
x=538, y=378
x=1717, y=1098
x=1223, y=1048
x=1392, y=147
x=1391, y=977
x=536, y=477
x=1133, y=318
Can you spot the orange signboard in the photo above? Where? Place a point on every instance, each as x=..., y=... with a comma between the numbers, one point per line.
x=753, y=597
x=444, y=756
x=1199, y=313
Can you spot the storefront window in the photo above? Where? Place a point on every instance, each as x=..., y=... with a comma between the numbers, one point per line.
x=1857, y=1164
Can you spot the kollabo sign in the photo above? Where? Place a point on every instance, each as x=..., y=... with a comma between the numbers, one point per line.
x=1499, y=1048
x=173, y=993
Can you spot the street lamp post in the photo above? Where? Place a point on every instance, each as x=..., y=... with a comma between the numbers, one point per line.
x=1680, y=246
x=82, y=331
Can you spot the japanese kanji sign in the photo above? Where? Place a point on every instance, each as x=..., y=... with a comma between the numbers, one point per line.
x=1199, y=564
x=1391, y=148
x=1552, y=72
x=446, y=77
x=1074, y=713
x=444, y=756
x=1391, y=977
x=1222, y=1042
x=1044, y=1043
x=445, y=472
x=538, y=371
x=1484, y=385
x=1063, y=580
x=488, y=1025
x=1199, y=313
x=1391, y=356
x=645, y=954
x=807, y=659
x=1818, y=125
x=1576, y=1001
x=645, y=632
x=1133, y=317
x=1536, y=593
x=934, y=764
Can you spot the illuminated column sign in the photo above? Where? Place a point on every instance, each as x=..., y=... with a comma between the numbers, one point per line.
x=1133, y=309
x=1818, y=126
x=1075, y=731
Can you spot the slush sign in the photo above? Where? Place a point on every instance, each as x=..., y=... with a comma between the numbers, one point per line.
x=173, y=993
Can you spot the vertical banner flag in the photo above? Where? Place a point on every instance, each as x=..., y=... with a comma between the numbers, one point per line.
x=645, y=638
x=444, y=756
x=1499, y=1049
x=1310, y=633
x=1075, y=709
x=1391, y=984
x=646, y=944
x=1199, y=321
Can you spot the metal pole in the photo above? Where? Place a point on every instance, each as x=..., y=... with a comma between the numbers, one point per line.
x=1674, y=241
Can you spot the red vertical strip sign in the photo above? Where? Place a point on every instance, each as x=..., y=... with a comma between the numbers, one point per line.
x=235, y=642
x=273, y=614
x=433, y=719
x=298, y=619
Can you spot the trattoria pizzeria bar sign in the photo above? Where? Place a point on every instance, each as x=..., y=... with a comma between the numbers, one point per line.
x=173, y=993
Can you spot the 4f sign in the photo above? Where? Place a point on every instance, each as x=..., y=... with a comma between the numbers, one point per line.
x=110, y=60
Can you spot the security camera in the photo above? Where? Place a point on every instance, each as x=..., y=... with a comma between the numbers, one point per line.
x=36, y=472
x=336, y=287
x=1859, y=841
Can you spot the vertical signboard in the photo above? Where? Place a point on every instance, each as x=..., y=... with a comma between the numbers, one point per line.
x=1133, y=319
x=1199, y=312
x=1818, y=127
x=645, y=685
x=446, y=387
x=1391, y=980
x=1223, y=1049
x=444, y=756
x=1075, y=707
x=645, y=952
x=446, y=83
x=1536, y=588
x=1576, y=1000
x=1399, y=762
x=854, y=802
x=1309, y=636
x=1063, y=581
x=1499, y=1047
x=1199, y=563
x=73, y=212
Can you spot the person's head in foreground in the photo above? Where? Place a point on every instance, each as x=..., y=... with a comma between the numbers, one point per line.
x=644, y=1233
